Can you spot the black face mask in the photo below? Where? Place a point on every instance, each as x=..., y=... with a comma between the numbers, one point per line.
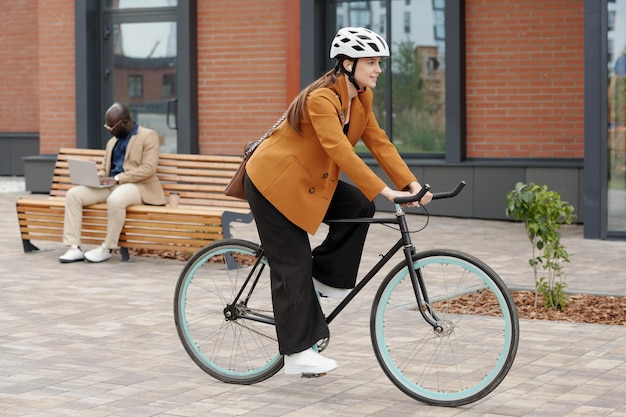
x=122, y=132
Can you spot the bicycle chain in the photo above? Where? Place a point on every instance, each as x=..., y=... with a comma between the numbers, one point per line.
x=253, y=330
x=321, y=345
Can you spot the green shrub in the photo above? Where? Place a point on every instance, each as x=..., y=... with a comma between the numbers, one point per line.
x=543, y=213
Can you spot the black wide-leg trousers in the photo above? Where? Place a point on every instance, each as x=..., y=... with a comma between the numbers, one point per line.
x=300, y=322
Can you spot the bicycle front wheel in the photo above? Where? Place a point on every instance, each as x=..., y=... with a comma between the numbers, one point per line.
x=223, y=312
x=472, y=348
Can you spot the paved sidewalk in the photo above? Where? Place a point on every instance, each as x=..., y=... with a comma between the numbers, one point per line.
x=99, y=339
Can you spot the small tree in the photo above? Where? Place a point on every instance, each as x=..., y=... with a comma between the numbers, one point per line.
x=543, y=213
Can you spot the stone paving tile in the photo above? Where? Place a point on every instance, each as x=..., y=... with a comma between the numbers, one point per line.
x=99, y=339
x=12, y=184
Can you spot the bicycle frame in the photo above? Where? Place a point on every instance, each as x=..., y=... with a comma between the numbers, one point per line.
x=409, y=250
x=404, y=243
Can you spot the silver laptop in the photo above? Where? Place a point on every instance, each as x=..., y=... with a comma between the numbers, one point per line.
x=84, y=172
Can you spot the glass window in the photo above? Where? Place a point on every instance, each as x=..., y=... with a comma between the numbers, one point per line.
x=407, y=22
x=135, y=86
x=137, y=4
x=144, y=56
x=359, y=14
x=169, y=86
x=616, y=199
x=415, y=116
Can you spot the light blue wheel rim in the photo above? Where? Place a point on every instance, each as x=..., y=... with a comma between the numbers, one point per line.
x=386, y=357
x=190, y=341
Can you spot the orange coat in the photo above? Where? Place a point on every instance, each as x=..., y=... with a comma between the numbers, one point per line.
x=298, y=173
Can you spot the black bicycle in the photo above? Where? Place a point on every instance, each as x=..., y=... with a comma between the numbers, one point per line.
x=443, y=324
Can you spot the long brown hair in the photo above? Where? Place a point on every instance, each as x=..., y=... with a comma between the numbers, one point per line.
x=296, y=108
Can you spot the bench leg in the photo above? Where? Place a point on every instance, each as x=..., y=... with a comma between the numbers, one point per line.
x=29, y=247
x=125, y=254
x=230, y=216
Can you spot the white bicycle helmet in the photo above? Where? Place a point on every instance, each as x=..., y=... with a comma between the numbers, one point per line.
x=357, y=42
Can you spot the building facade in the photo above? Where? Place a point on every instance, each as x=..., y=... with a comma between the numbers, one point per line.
x=488, y=91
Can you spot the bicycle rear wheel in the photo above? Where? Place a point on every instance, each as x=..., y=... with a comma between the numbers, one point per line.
x=471, y=353
x=223, y=312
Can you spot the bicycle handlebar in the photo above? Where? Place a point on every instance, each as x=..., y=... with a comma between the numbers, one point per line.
x=436, y=196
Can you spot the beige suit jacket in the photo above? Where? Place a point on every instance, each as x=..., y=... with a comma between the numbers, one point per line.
x=140, y=165
x=298, y=173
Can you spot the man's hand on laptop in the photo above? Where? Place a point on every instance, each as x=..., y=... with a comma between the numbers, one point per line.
x=108, y=181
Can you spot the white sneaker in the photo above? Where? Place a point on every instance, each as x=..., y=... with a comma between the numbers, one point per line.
x=99, y=254
x=330, y=292
x=73, y=254
x=308, y=362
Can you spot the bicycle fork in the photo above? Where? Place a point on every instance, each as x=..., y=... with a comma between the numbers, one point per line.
x=417, y=279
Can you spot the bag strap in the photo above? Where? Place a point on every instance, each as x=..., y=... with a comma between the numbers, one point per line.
x=273, y=128
x=249, y=149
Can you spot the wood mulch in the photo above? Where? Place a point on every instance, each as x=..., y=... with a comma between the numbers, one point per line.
x=164, y=254
x=581, y=308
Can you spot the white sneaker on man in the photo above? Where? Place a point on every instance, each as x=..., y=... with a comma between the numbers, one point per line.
x=73, y=254
x=99, y=254
x=328, y=291
x=308, y=362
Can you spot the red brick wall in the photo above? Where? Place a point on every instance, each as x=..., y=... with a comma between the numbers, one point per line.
x=525, y=85
x=242, y=63
x=19, y=85
x=525, y=78
x=57, y=98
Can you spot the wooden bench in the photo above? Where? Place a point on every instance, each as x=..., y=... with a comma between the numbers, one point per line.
x=204, y=213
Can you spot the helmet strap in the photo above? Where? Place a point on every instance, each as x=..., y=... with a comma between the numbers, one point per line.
x=351, y=76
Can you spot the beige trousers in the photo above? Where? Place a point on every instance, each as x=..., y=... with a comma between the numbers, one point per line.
x=117, y=198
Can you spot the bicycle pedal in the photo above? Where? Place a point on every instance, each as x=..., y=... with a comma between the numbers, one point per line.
x=312, y=374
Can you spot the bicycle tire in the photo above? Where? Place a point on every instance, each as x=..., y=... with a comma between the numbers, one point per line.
x=475, y=350
x=223, y=339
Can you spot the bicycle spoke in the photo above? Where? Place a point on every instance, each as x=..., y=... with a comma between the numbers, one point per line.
x=231, y=341
x=470, y=351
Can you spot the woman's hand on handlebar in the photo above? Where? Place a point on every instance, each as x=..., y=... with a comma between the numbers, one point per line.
x=415, y=188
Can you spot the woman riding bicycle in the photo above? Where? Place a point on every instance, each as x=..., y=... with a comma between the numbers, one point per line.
x=292, y=185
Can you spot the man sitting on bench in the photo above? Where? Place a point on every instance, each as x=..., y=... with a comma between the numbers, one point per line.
x=130, y=166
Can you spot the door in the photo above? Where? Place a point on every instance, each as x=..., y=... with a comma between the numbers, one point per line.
x=139, y=65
